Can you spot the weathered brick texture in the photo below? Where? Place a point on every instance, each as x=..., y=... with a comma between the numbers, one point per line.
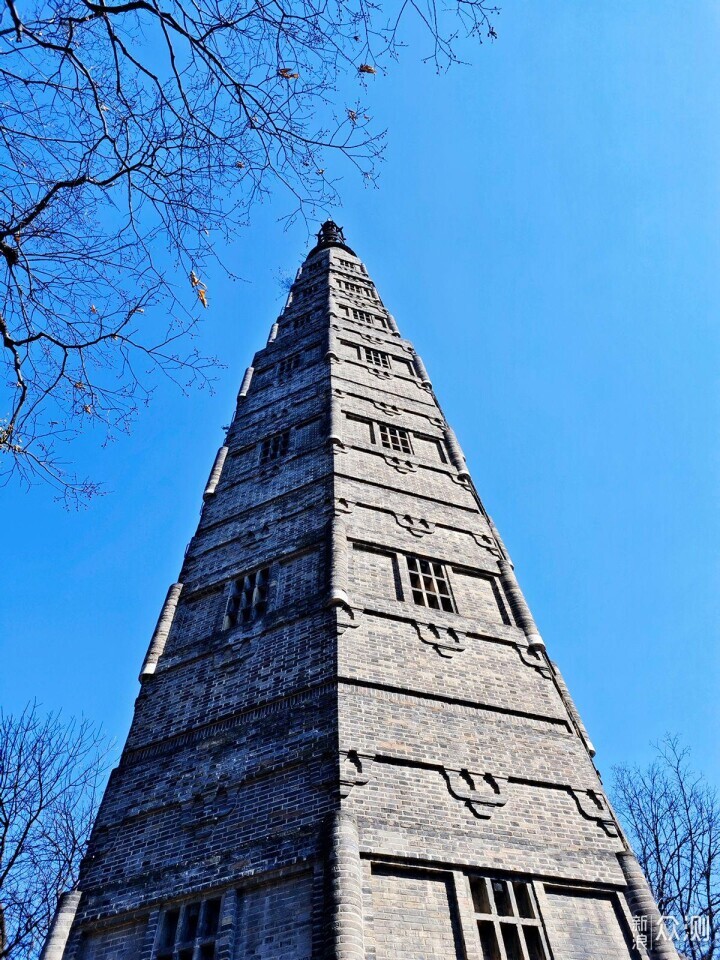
x=319, y=763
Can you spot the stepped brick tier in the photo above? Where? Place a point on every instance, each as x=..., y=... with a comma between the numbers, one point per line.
x=349, y=741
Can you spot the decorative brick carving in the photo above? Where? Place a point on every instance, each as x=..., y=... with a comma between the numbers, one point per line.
x=258, y=534
x=207, y=808
x=387, y=409
x=534, y=659
x=486, y=542
x=461, y=481
x=593, y=805
x=279, y=413
x=402, y=466
x=445, y=641
x=417, y=526
x=348, y=617
x=482, y=793
x=355, y=771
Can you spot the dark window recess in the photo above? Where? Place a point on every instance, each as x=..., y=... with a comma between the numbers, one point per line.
x=503, y=906
x=188, y=932
x=168, y=931
x=287, y=365
x=488, y=940
x=395, y=438
x=272, y=448
x=302, y=320
x=506, y=912
x=248, y=598
x=377, y=358
x=429, y=583
x=524, y=901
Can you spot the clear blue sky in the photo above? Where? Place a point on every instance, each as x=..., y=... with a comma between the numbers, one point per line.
x=546, y=230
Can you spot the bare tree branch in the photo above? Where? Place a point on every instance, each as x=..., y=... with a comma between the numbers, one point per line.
x=51, y=773
x=142, y=132
x=672, y=818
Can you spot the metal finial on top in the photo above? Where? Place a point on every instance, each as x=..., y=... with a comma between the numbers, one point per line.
x=330, y=235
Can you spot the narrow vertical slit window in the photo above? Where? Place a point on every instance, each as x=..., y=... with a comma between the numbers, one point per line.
x=429, y=584
x=395, y=438
x=248, y=598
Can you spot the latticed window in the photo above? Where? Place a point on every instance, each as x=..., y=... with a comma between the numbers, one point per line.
x=377, y=358
x=287, y=365
x=248, y=598
x=429, y=583
x=506, y=913
x=272, y=448
x=188, y=932
x=363, y=289
x=395, y=438
x=348, y=265
x=370, y=318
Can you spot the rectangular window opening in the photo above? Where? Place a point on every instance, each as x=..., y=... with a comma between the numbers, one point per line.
x=211, y=908
x=188, y=932
x=168, y=930
x=515, y=918
x=275, y=447
x=189, y=925
x=524, y=901
x=533, y=942
x=488, y=940
x=501, y=896
x=287, y=365
x=247, y=602
x=377, y=358
x=429, y=584
x=481, y=901
x=395, y=438
x=511, y=939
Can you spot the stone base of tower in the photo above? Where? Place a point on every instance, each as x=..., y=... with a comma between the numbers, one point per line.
x=356, y=906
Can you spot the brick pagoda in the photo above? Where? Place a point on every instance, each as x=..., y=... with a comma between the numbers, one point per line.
x=349, y=742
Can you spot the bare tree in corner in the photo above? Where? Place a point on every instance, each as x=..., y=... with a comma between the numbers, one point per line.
x=135, y=138
x=51, y=773
x=672, y=817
